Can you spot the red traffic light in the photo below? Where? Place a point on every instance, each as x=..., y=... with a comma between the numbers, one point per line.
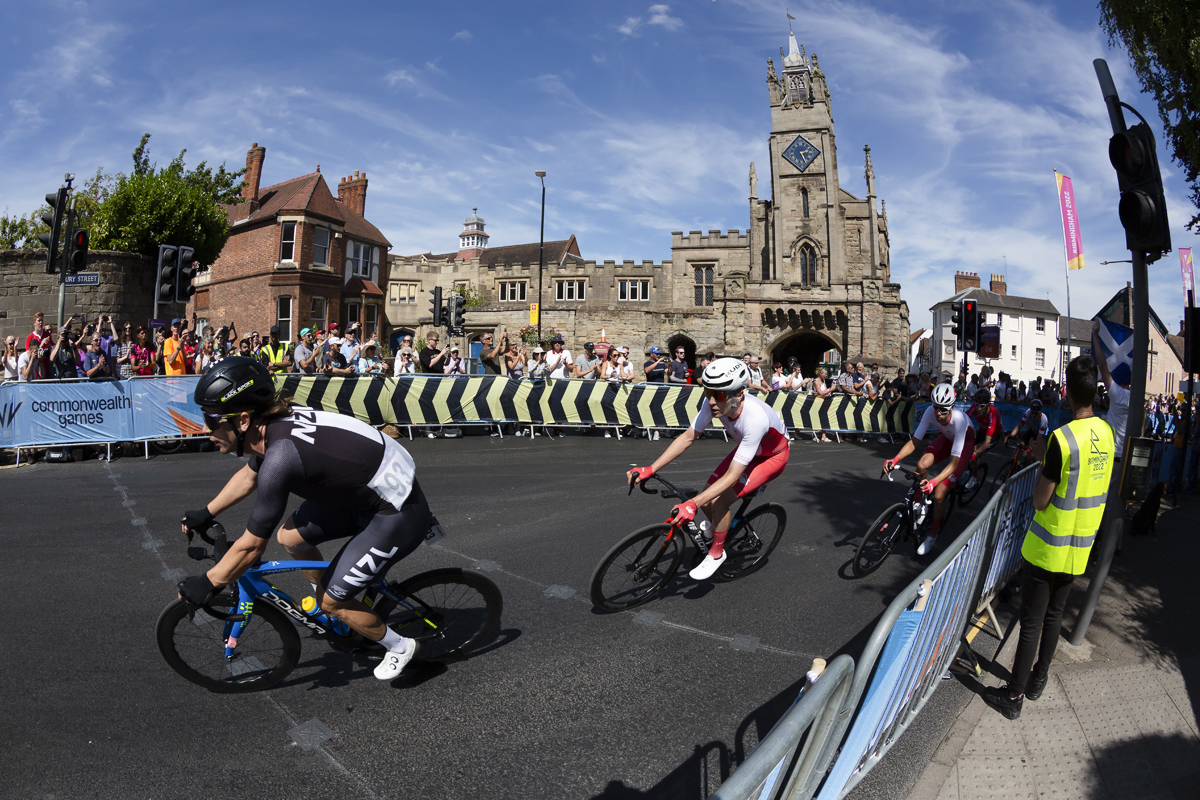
x=81, y=240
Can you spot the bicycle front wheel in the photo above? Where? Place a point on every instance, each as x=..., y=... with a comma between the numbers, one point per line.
x=752, y=540
x=968, y=495
x=636, y=568
x=879, y=541
x=1000, y=478
x=267, y=649
x=454, y=611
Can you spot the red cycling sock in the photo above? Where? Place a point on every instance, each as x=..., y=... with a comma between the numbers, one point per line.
x=933, y=527
x=718, y=545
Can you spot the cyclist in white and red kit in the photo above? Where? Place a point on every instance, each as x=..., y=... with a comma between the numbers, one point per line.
x=761, y=453
x=956, y=442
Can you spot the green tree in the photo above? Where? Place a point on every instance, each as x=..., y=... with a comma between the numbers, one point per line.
x=14, y=232
x=1162, y=38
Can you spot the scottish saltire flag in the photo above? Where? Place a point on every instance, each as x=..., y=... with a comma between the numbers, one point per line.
x=1070, y=222
x=1116, y=345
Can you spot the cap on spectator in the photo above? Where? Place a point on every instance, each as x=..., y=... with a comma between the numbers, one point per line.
x=275, y=330
x=305, y=331
x=538, y=349
x=558, y=339
x=589, y=345
x=624, y=349
x=320, y=330
x=655, y=350
x=454, y=348
x=333, y=325
x=368, y=348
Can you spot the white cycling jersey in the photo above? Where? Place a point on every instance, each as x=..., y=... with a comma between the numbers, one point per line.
x=757, y=430
x=955, y=429
x=1042, y=426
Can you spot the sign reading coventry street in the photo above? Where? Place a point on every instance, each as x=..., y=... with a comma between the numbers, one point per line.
x=82, y=279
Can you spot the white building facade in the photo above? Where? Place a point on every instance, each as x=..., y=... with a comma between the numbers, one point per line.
x=1029, y=331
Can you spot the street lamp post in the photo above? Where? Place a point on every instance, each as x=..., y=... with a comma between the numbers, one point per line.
x=541, y=252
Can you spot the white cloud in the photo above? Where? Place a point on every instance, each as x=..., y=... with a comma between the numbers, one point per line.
x=630, y=25
x=661, y=15
x=463, y=36
x=412, y=80
x=599, y=59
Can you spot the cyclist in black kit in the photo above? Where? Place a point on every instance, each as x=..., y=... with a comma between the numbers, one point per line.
x=355, y=482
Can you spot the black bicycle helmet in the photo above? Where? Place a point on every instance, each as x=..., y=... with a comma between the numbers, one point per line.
x=234, y=385
x=983, y=397
x=1035, y=405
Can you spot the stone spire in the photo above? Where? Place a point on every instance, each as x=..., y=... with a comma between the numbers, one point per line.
x=873, y=221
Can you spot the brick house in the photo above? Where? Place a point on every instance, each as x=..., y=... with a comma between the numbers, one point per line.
x=296, y=257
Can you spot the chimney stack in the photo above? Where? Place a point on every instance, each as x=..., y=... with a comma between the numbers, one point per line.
x=965, y=280
x=254, y=164
x=352, y=191
x=998, y=284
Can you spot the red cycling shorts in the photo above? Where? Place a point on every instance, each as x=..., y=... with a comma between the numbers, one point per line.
x=760, y=470
x=940, y=447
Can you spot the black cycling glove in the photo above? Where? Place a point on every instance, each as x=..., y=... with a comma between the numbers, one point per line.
x=197, y=590
x=197, y=518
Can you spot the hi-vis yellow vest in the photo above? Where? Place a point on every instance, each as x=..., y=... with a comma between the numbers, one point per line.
x=1061, y=536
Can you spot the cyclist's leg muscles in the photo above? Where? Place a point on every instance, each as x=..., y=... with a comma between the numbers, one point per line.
x=384, y=540
x=758, y=472
x=311, y=524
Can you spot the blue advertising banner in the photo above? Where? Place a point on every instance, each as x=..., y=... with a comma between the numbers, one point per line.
x=163, y=407
x=65, y=413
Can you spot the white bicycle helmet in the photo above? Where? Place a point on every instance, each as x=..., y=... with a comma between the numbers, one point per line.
x=943, y=395
x=726, y=375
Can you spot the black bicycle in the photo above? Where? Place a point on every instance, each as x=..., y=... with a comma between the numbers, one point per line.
x=640, y=565
x=245, y=639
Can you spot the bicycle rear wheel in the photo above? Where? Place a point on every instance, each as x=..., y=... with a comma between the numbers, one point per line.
x=1000, y=478
x=636, y=568
x=267, y=649
x=752, y=540
x=455, y=611
x=881, y=538
x=968, y=495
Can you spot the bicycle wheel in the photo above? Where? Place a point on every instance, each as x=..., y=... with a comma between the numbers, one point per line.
x=878, y=543
x=752, y=540
x=636, y=568
x=968, y=495
x=455, y=612
x=266, y=652
x=166, y=447
x=1000, y=478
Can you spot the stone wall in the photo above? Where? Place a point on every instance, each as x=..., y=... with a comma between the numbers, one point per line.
x=126, y=290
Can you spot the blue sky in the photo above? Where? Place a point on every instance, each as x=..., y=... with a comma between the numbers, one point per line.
x=645, y=117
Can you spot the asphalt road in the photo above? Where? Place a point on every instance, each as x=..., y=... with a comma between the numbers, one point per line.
x=565, y=702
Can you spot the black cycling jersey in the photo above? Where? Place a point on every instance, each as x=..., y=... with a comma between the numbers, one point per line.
x=331, y=459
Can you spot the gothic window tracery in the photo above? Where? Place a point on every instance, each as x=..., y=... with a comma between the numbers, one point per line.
x=808, y=266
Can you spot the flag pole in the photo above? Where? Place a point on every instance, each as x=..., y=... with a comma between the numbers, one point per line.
x=1067, y=272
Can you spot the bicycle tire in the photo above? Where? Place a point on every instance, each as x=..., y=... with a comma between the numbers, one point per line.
x=751, y=541
x=267, y=650
x=165, y=447
x=967, y=495
x=1000, y=479
x=879, y=542
x=621, y=581
x=465, y=606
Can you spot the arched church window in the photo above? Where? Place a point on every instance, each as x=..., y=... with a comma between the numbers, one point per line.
x=808, y=266
x=704, y=286
x=804, y=201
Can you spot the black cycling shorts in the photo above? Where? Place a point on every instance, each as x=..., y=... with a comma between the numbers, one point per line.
x=377, y=541
x=1027, y=436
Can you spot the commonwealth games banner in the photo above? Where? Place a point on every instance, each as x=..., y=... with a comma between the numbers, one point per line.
x=65, y=413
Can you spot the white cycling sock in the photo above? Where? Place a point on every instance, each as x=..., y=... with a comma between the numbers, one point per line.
x=393, y=642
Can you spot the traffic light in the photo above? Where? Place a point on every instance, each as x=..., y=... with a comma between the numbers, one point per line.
x=185, y=273
x=1143, y=208
x=79, y=250
x=54, y=221
x=435, y=306
x=956, y=323
x=458, y=313
x=970, y=326
x=166, y=278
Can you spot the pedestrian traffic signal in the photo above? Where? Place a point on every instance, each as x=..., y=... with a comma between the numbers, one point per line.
x=185, y=273
x=956, y=323
x=54, y=221
x=435, y=306
x=79, y=250
x=166, y=277
x=1143, y=208
x=970, y=326
x=458, y=312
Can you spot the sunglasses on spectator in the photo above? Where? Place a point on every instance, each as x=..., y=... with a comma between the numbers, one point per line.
x=213, y=421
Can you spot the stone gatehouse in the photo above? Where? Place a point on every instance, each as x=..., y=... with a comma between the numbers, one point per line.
x=811, y=274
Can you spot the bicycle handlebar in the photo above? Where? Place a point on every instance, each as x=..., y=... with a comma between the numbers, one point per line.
x=671, y=491
x=220, y=545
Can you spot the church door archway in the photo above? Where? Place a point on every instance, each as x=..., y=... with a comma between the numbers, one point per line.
x=810, y=348
x=689, y=347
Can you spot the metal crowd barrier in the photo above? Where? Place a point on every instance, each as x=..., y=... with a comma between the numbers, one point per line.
x=912, y=646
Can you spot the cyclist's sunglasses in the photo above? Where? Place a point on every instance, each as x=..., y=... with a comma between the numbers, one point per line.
x=942, y=411
x=715, y=395
x=213, y=421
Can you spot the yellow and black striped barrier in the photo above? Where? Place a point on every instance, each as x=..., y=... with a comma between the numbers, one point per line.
x=421, y=400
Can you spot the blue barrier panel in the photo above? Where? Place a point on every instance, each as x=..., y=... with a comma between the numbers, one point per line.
x=1010, y=415
x=163, y=407
x=72, y=412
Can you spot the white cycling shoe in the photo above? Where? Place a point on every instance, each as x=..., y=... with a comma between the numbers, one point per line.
x=708, y=566
x=926, y=545
x=394, y=662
